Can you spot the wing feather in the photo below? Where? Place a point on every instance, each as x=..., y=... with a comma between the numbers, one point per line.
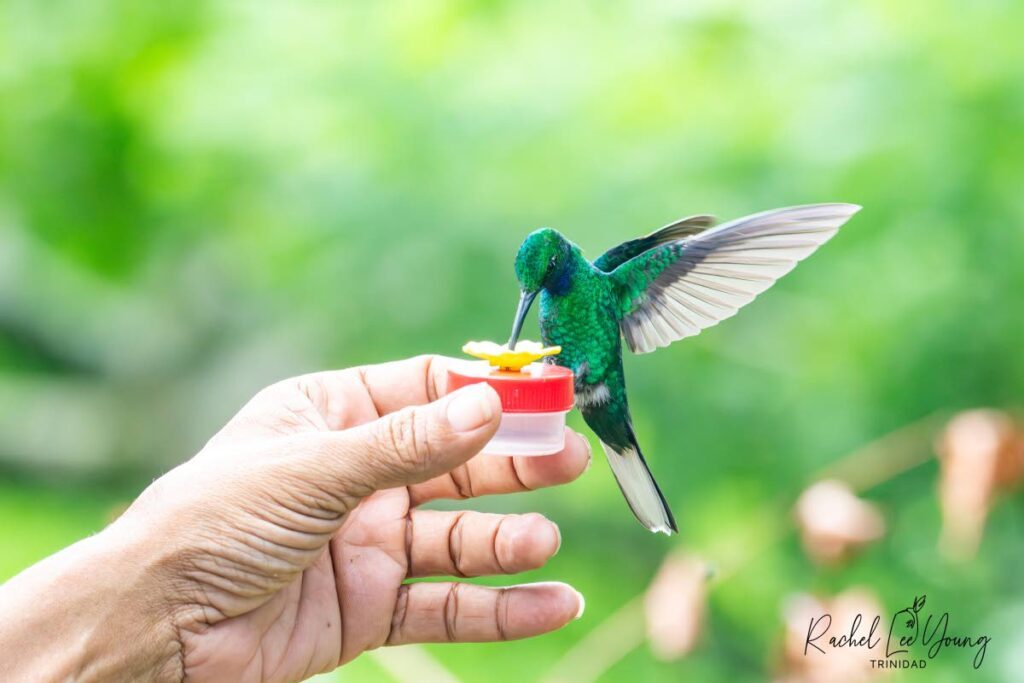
x=678, y=288
x=676, y=230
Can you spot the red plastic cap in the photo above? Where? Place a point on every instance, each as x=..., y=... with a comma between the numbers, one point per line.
x=537, y=388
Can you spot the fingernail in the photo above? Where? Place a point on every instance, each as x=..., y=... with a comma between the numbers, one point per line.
x=470, y=408
x=590, y=452
x=558, y=535
x=583, y=604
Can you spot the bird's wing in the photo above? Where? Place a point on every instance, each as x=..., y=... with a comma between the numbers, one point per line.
x=677, y=289
x=684, y=227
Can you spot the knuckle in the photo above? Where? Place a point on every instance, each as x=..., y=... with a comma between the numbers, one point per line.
x=462, y=481
x=451, y=612
x=398, y=436
x=456, y=537
x=501, y=613
x=409, y=437
x=426, y=359
x=424, y=434
x=398, y=617
x=427, y=362
x=501, y=551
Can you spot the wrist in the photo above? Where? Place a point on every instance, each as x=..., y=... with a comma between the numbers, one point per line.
x=91, y=612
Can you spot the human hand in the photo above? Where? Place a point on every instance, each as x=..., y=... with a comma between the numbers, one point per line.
x=283, y=548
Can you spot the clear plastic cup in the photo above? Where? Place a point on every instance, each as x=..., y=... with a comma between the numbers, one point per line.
x=528, y=434
x=534, y=402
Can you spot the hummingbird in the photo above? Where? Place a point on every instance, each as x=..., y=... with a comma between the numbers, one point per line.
x=650, y=292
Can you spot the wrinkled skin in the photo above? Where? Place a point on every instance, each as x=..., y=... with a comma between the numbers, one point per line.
x=284, y=547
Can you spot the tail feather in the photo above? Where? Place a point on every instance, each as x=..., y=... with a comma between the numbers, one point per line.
x=639, y=488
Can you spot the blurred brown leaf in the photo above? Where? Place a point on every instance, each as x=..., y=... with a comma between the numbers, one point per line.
x=674, y=606
x=981, y=452
x=835, y=665
x=834, y=523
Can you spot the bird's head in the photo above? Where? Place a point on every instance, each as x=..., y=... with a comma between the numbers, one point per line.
x=541, y=259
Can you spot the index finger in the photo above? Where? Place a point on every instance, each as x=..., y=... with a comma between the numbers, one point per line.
x=346, y=398
x=414, y=381
x=492, y=474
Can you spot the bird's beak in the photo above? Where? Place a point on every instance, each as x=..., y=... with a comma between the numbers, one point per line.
x=525, y=299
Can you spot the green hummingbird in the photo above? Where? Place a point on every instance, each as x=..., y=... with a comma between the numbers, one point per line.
x=652, y=291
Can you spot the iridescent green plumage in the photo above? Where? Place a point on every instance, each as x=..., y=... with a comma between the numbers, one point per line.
x=651, y=291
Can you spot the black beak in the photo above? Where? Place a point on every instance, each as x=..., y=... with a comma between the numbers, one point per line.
x=525, y=299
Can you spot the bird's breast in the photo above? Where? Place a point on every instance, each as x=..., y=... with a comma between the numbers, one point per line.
x=589, y=338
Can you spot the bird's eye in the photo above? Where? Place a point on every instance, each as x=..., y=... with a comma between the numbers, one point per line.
x=551, y=262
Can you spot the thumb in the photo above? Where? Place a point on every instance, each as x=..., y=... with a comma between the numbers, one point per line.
x=401, y=448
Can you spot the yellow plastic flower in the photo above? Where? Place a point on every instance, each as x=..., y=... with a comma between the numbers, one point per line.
x=500, y=356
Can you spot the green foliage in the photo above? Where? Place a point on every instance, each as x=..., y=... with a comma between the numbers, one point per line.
x=198, y=198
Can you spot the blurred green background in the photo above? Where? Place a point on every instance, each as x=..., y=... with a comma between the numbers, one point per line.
x=199, y=198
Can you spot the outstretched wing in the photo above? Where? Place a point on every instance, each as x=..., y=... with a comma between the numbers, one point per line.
x=677, y=289
x=684, y=227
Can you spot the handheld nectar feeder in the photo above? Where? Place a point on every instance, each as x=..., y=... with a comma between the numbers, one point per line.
x=534, y=396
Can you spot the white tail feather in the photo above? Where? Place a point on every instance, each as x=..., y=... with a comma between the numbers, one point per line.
x=639, y=488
